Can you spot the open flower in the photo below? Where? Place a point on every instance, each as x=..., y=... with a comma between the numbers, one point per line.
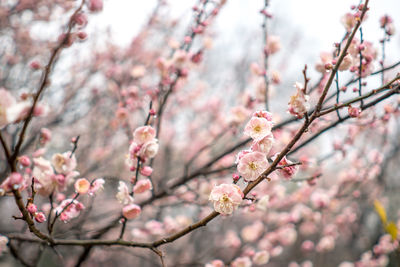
x=144, y=134
x=252, y=165
x=82, y=186
x=258, y=128
x=298, y=104
x=123, y=195
x=264, y=145
x=149, y=149
x=226, y=198
x=64, y=163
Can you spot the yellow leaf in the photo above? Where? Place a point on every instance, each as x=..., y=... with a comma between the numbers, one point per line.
x=392, y=230
x=381, y=211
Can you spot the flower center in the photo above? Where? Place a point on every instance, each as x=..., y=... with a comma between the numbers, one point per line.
x=253, y=166
x=224, y=198
x=257, y=128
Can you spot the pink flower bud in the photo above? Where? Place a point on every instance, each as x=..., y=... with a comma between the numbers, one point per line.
x=82, y=35
x=40, y=217
x=354, y=112
x=131, y=211
x=16, y=179
x=152, y=112
x=146, y=171
x=64, y=217
x=142, y=186
x=82, y=186
x=24, y=161
x=81, y=19
x=187, y=39
x=307, y=246
x=35, y=65
x=32, y=208
x=95, y=5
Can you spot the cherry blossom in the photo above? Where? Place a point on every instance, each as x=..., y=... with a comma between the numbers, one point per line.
x=226, y=198
x=252, y=165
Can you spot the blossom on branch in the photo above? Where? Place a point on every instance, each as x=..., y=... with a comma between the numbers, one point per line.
x=252, y=165
x=226, y=198
x=298, y=104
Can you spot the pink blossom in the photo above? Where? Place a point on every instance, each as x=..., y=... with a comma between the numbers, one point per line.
x=6, y=101
x=24, y=161
x=144, y=134
x=241, y=154
x=40, y=217
x=149, y=149
x=123, y=195
x=215, y=263
x=287, y=235
x=287, y=172
x=320, y=199
x=32, y=208
x=349, y=21
x=72, y=211
x=238, y=115
x=262, y=203
x=15, y=180
x=64, y=163
x=82, y=186
x=346, y=63
x=325, y=58
x=146, y=171
x=307, y=246
x=263, y=114
x=251, y=232
x=3, y=243
x=18, y=111
x=231, y=239
x=298, y=104
x=95, y=5
x=264, y=145
x=273, y=45
x=354, y=112
x=258, y=128
x=261, y=257
x=96, y=185
x=43, y=173
x=241, y=262
x=252, y=165
x=142, y=186
x=327, y=243
x=35, y=65
x=386, y=22
x=226, y=198
x=131, y=211
x=45, y=135
x=81, y=19
x=138, y=71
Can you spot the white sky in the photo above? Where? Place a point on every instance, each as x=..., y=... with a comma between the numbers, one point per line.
x=319, y=19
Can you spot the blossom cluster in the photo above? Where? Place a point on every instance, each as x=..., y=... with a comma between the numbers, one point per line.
x=252, y=163
x=143, y=147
